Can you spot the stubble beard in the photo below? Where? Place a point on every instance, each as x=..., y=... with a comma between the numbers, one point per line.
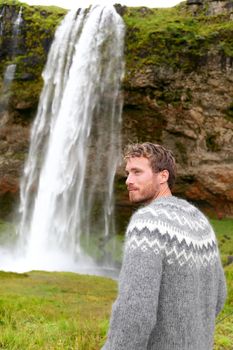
x=145, y=197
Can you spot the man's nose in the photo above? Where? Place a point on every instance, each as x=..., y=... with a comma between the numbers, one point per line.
x=128, y=179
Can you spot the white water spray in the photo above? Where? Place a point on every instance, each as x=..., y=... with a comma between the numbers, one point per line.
x=67, y=186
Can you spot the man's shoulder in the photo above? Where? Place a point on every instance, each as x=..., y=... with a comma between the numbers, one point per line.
x=167, y=207
x=174, y=216
x=174, y=203
x=174, y=226
x=156, y=214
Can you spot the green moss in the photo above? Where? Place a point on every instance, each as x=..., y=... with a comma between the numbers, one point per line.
x=169, y=96
x=173, y=37
x=10, y=3
x=33, y=43
x=170, y=37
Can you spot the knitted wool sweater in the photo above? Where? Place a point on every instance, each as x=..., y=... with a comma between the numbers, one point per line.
x=171, y=285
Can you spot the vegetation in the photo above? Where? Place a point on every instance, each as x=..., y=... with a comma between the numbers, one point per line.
x=33, y=43
x=67, y=311
x=184, y=40
x=224, y=231
x=51, y=311
x=174, y=37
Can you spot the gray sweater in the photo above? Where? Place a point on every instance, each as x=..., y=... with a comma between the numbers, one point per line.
x=171, y=285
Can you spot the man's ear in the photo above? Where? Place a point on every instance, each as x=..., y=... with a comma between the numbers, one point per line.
x=163, y=176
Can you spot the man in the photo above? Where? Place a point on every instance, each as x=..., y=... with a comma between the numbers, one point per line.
x=172, y=284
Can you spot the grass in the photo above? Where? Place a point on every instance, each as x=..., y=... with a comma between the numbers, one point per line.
x=224, y=232
x=42, y=310
x=224, y=327
x=67, y=311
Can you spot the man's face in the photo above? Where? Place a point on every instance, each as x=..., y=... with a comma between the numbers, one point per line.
x=142, y=183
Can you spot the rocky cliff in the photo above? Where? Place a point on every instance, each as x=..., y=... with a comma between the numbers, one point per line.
x=177, y=90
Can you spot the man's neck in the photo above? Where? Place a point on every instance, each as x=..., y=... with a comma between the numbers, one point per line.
x=166, y=192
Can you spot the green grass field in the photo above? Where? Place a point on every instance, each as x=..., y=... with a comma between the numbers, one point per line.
x=54, y=311
x=40, y=310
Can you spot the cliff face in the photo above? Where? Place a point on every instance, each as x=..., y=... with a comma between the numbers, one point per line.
x=178, y=91
x=197, y=128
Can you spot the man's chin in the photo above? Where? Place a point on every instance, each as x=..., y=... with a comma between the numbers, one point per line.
x=139, y=200
x=136, y=200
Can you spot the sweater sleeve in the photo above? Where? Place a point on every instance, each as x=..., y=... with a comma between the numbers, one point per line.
x=135, y=310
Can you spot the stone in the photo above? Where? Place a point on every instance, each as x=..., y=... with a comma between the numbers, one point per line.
x=23, y=105
x=195, y=2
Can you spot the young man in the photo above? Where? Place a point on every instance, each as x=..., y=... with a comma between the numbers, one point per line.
x=172, y=284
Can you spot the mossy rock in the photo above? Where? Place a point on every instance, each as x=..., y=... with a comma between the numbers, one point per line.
x=29, y=54
x=174, y=37
x=170, y=37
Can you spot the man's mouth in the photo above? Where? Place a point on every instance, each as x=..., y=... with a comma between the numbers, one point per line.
x=130, y=189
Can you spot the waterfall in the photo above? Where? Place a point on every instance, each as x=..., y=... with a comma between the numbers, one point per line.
x=1, y=22
x=67, y=185
x=8, y=76
x=10, y=69
x=18, y=21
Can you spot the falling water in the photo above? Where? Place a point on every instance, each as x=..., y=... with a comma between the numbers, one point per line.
x=10, y=69
x=67, y=185
x=8, y=76
x=18, y=21
x=1, y=21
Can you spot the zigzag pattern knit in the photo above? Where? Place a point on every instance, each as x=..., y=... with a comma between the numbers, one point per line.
x=171, y=285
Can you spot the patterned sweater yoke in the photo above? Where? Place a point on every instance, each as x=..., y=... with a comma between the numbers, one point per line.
x=171, y=285
x=178, y=228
